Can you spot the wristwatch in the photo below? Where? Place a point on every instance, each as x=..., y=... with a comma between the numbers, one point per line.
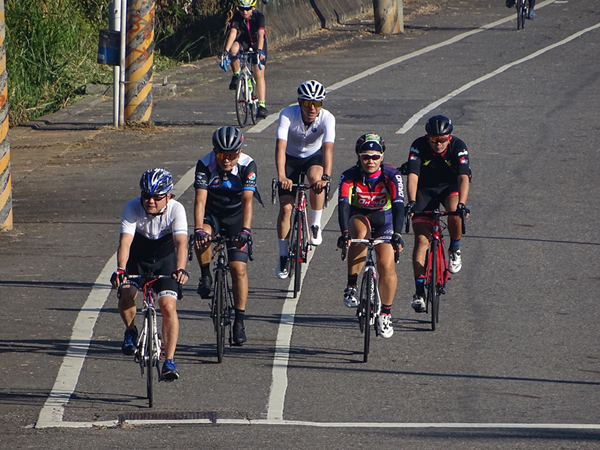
x=326, y=178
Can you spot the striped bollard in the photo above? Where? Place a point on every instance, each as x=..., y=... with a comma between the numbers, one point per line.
x=139, y=60
x=6, y=216
x=387, y=16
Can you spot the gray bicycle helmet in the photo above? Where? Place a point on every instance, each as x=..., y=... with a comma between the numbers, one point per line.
x=311, y=90
x=439, y=126
x=227, y=139
x=370, y=141
x=156, y=182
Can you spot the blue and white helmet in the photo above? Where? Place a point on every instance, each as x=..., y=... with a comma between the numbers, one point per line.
x=311, y=90
x=156, y=182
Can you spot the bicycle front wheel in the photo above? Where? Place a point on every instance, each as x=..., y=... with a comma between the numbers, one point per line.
x=433, y=297
x=252, y=101
x=367, y=302
x=521, y=13
x=148, y=353
x=241, y=103
x=219, y=313
x=296, y=242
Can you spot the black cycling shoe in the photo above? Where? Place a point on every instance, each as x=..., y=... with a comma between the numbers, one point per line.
x=239, y=333
x=262, y=112
x=233, y=83
x=205, y=286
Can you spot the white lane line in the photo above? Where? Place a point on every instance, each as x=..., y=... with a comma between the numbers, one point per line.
x=301, y=423
x=284, y=336
x=264, y=124
x=51, y=414
x=416, y=117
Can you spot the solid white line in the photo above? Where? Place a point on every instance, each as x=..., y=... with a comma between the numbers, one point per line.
x=416, y=117
x=284, y=336
x=264, y=124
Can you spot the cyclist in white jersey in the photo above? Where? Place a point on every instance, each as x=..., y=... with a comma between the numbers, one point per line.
x=153, y=239
x=305, y=138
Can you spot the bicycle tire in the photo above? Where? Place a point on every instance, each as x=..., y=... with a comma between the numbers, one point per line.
x=253, y=99
x=520, y=14
x=367, y=303
x=300, y=232
x=432, y=289
x=241, y=105
x=219, y=317
x=148, y=356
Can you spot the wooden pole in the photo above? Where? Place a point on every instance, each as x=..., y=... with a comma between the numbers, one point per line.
x=6, y=215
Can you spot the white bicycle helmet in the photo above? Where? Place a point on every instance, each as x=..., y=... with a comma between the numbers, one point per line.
x=311, y=90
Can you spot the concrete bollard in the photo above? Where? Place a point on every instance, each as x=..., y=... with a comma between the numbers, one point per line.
x=6, y=216
x=389, y=17
x=139, y=60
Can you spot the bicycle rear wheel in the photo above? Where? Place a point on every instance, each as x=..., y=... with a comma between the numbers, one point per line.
x=367, y=302
x=148, y=353
x=252, y=98
x=218, y=313
x=241, y=104
x=432, y=291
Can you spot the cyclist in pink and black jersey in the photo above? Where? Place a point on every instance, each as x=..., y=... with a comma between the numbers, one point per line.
x=371, y=204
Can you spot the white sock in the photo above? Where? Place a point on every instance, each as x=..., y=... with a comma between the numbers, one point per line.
x=283, y=247
x=316, y=217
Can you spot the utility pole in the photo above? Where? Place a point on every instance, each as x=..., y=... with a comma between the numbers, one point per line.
x=6, y=216
x=389, y=16
x=140, y=59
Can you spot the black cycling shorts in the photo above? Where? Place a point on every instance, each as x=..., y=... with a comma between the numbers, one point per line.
x=293, y=167
x=245, y=46
x=381, y=222
x=228, y=227
x=164, y=266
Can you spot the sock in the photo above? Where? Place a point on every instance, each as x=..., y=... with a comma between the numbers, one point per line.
x=205, y=270
x=420, y=285
x=386, y=309
x=453, y=245
x=262, y=103
x=239, y=315
x=352, y=280
x=283, y=247
x=316, y=217
x=237, y=74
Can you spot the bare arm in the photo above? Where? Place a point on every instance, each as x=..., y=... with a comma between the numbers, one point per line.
x=247, y=208
x=280, y=147
x=181, y=250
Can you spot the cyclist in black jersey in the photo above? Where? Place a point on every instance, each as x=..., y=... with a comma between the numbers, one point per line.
x=531, y=15
x=225, y=184
x=438, y=173
x=153, y=239
x=247, y=30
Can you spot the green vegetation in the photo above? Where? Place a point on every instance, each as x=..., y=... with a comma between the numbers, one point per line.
x=52, y=46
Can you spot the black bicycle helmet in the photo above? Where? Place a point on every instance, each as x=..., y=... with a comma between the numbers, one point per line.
x=156, y=182
x=370, y=141
x=439, y=126
x=311, y=90
x=227, y=139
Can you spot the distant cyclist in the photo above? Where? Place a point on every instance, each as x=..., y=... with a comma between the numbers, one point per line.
x=531, y=15
x=371, y=204
x=247, y=31
x=438, y=173
x=153, y=239
x=305, y=138
x=225, y=186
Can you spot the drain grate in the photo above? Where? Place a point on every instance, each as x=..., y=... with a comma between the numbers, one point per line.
x=175, y=415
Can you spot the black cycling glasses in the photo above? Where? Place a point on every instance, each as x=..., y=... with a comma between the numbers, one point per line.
x=156, y=198
x=243, y=8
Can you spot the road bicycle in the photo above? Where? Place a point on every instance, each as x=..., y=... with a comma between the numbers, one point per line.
x=521, y=13
x=221, y=304
x=149, y=344
x=298, y=240
x=369, y=305
x=436, y=262
x=246, y=100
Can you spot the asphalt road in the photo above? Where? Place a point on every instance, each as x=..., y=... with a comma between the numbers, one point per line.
x=515, y=361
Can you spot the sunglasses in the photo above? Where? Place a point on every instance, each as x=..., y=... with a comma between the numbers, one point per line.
x=156, y=198
x=227, y=156
x=440, y=139
x=309, y=103
x=366, y=157
x=243, y=8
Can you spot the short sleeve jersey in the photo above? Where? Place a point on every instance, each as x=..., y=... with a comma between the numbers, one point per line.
x=436, y=170
x=369, y=196
x=248, y=29
x=153, y=234
x=303, y=142
x=225, y=188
